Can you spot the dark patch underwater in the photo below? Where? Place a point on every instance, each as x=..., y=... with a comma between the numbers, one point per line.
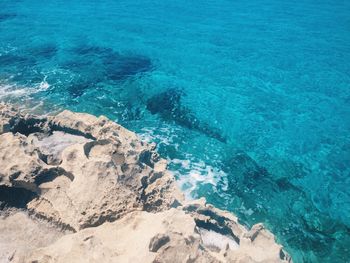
x=168, y=105
x=107, y=65
x=7, y=16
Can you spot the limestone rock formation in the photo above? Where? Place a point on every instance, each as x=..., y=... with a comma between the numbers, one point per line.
x=94, y=192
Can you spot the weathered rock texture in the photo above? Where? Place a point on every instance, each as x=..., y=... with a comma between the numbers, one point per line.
x=90, y=191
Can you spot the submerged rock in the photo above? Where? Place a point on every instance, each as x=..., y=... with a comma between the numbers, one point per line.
x=107, y=197
x=106, y=64
x=168, y=105
x=45, y=51
x=7, y=16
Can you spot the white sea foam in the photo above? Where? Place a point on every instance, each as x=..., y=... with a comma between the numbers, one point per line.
x=44, y=85
x=165, y=135
x=192, y=174
x=214, y=239
x=189, y=171
x=8, y=91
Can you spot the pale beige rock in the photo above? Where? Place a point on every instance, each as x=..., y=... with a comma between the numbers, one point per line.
x=8, y=116
x=21, y=234
x=110, y=171
x=135, y=232
x=94, y=178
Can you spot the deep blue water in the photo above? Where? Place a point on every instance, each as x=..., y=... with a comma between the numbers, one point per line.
x=248, y=99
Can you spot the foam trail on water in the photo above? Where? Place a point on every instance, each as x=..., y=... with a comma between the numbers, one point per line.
x=189, y=171
x=9, y=91
x=191, y=174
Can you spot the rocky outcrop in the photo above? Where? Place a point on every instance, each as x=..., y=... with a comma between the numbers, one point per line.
x=107, y=197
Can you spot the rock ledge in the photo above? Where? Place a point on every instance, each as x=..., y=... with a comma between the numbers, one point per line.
x=77, y=188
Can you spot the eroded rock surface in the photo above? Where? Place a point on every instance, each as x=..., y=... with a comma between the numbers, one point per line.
x=21, y=234
x=108, y=197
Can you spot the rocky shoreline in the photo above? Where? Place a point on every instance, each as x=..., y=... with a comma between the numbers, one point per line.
x=77, y=188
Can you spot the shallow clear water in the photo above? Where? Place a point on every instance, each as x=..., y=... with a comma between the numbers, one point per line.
x=249, y=100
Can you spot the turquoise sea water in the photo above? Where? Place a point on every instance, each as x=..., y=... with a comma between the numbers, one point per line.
x=248, y=99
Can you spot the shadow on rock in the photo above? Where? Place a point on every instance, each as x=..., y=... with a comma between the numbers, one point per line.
x=15, y=197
